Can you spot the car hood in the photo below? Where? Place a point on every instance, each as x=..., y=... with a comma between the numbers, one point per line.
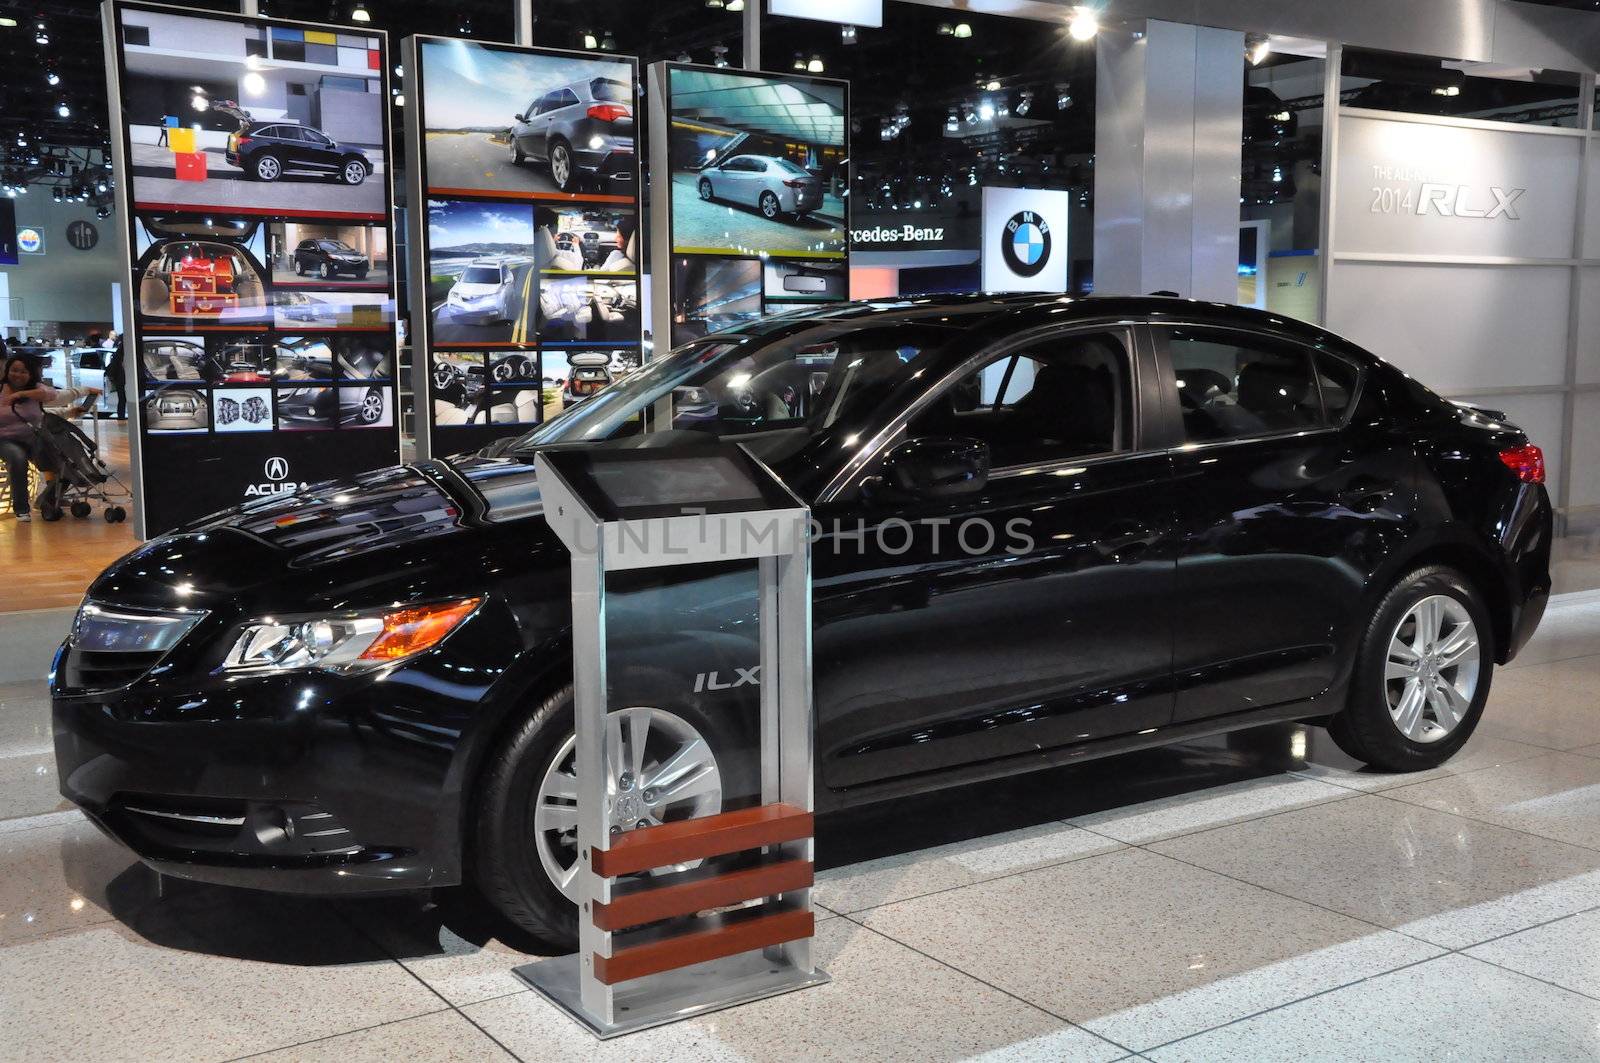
x=331, y=539
x=474, y=291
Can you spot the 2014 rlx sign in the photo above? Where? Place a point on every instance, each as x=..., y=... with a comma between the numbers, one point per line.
x=1444, y=199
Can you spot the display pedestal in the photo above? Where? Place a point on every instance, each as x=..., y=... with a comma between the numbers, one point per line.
x=678, y=943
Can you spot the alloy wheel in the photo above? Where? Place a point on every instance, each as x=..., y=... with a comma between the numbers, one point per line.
x=705, y=189
x=769, y=205
x=354, y=173
x=1431, y=672
x=268, y=168
x=560, y=166
x=660, y=769
x=372, y=407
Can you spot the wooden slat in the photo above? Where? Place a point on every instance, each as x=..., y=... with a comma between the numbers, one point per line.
x=649, y=903
x=698, y=839
x=729, y=939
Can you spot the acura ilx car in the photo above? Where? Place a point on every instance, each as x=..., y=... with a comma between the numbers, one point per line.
x=770, y=184
x=1050, y=529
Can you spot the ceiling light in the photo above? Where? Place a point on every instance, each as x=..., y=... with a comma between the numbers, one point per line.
x=962, y=31
x=466, y=26
x=199, y=103
x=254, y=84
x=52, y=78
x=399, y=99
x=399, y=71
x=1281, y=116
x=63, y=110
x=1084, y=23
x=360, y=14
x=847, y=34
x=946, y=30
x=41, y=35
x=1063, y=95
x=735, y=5
x=590, y=41
x=1257, y=47
x=952, y=122
x=991, y=85
x=815, y=66
x=715, y=3
x=1447, y=90
x=8, y=22
x=719, y=53
x=799, y=61
x=608, y=43
x=1024, y=103
x=986, y=111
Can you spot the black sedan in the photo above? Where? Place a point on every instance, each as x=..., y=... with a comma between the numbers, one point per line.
x=1052, y=529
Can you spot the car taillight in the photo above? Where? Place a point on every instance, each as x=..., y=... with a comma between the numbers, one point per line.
x=240, y=142
x=795, y=182
x=1527, y=461
x=609, y=112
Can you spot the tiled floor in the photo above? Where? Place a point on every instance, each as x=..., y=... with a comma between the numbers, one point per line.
x=1252, y=897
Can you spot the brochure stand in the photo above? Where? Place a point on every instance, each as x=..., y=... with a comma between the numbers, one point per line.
x=665, y=947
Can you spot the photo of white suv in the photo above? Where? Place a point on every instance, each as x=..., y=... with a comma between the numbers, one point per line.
x=484, y=293
x=770, y=184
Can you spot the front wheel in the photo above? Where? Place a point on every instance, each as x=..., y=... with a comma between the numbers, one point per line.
x=705, y=189
x=526, y=845
x=354, y=172
x=1422, y=676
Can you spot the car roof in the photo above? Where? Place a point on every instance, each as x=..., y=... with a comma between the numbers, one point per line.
x=1002, y=314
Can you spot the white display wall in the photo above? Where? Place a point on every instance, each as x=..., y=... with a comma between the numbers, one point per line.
x=1466, y=253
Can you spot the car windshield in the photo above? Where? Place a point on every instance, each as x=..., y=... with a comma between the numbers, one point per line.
x=610, y=91
x=795, y=371
x=481, y=275
x=790, y=166
x=336, y=245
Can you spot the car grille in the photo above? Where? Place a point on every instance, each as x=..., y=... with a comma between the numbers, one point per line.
x=92, y=672
x=111, y=646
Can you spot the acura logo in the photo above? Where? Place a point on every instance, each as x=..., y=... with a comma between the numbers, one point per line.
x=1025, y=244
x=277, y=469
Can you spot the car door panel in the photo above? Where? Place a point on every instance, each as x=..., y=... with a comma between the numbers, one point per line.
x=1030, y=616
x=1279, y=535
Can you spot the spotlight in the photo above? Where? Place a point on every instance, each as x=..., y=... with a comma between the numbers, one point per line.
x=399, y=99
x=815, y=66
x=1063, y=95
x=254, y=84
x=1084, y=23
x=969, y=114
x=8, y=22
x=608, y=43
x=1281, y=116
x=716, y=4
x=199, y=103
x=847, y=34
x=360, y=14
x=946, y=30
x=1447, y=90
x=590, y=41
x=719, y=54
x=52, y=78
x=1277, y=175
x=986, y=110
x=991, y=85
x=962, y=31
x=22, y=139
x=41, y=35
x=1024, y=103
x=735, y=5
x=63, y=110
x=466, y=26
x=1257, y=46
x=952, y=122
x=799, y=61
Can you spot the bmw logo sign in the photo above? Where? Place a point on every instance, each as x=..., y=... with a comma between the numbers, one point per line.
x=1025, y=244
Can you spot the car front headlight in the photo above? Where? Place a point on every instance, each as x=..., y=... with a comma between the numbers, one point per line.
x=345, y=643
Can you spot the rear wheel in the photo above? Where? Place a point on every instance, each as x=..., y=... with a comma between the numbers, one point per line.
x=266, y=167
x=526, y=854
x=1422, y=676
x=561, y=165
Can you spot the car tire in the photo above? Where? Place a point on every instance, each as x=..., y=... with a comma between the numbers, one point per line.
x=327, y=272
x=770, y=207
x=517, y=157
x=372, y=411
x=1373, y=726
x=266, y=167
x=299, y=267
x=361, y=274
x=707, y=193
x=562, y=172
x=507, y=869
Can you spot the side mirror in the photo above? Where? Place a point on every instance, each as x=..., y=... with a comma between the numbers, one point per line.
x=937, y=467
x=519, y=118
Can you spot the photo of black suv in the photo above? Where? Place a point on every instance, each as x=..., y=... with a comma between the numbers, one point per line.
x=329, y=258
x=269, y=152
x=1051, y=529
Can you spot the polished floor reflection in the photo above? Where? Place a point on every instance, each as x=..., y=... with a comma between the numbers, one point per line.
x=1252, y=897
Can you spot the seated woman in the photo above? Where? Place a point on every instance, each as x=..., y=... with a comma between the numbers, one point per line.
x=22, y=399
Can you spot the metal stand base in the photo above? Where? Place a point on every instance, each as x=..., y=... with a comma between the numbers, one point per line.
x=673, y=995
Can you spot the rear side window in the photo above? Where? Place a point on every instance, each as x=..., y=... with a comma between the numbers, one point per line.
x=1234, y=385
x=611, y=91
x=1336, y=380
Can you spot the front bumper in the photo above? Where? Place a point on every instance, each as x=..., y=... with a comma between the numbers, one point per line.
x=477, y=315
x=304, y=783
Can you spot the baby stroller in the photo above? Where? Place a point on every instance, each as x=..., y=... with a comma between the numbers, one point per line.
x=83, y=477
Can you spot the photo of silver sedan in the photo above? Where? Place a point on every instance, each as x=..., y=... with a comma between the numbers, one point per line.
x=770, y=184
